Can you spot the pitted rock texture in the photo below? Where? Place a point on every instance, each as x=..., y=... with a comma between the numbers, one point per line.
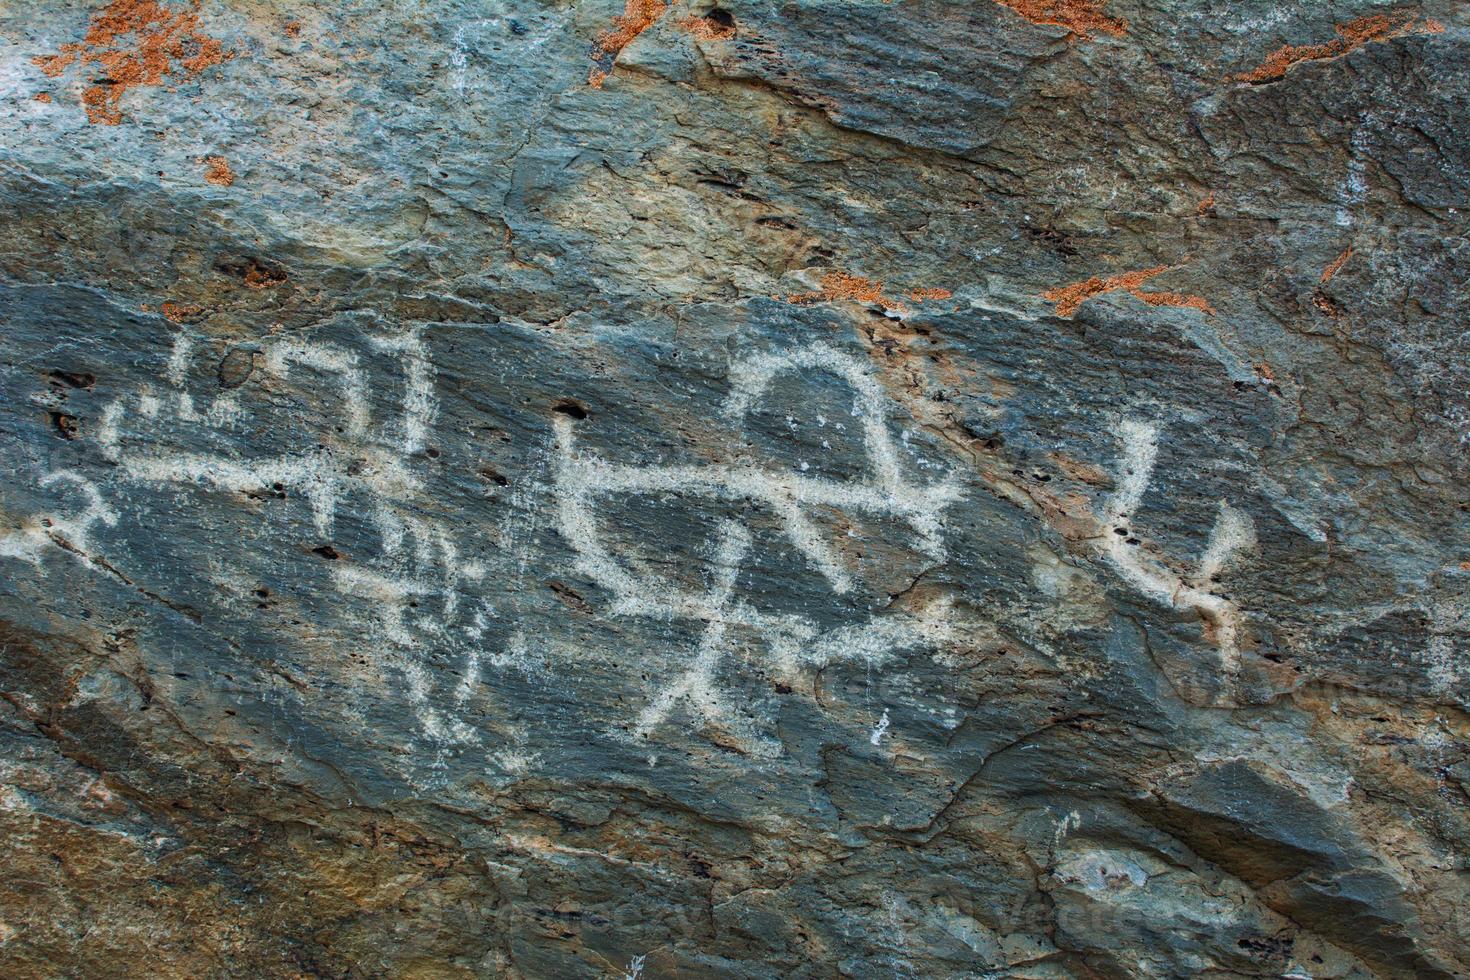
x=917, y=489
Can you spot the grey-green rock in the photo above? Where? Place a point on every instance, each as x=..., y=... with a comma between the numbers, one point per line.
x=918, y=488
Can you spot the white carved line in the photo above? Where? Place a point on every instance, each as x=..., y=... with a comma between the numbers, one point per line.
x=1444, y=665
x=785, y=493
x=1232, y=533
x=71, y=533
x=223, y=410
x=419, y=403
x=388, y=596
x=875, y=643
x=280, y=356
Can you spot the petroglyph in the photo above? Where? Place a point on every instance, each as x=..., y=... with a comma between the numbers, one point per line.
x=68, y=532
x=792, y=642
x=417, y=597
x=412, y=608
x=368, y=463
x=1232, y=533
x=410, y=593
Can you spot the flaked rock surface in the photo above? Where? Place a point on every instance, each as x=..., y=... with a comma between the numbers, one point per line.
x=930, y=488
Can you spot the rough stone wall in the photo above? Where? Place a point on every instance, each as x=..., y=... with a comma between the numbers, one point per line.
x=936, y=488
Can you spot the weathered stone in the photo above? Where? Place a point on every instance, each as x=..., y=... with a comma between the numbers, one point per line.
x=757, y=490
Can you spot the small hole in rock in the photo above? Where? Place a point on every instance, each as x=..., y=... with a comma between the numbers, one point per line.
x=327, y=551
x=75, y=379
x=571, y=407
x=65, y=425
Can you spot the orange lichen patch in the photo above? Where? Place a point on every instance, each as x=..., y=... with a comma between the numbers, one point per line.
x=710, y=27
x=263, y=277
x=1081, y=17
x=637, y=17
x=293, y=28
x=43, y=96
x=1335, y=266
x=840, y=285
x=859, y=289
x=1069, y=299
x=1351, y=36
x=1176, y=299
x=1207, y=206
x=135, y=42
x=52, y=66
x=180, y=312
x=217, y=171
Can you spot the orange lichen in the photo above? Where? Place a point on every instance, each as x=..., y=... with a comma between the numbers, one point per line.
x=1081, y=17
x=710, y=27
x=217, y=171
x=858, y=289
x=293, y=28
x=1335, y=266
x=637, y=17
x=1207, y=206
x=840, y=285
x=1325, y=305
x=1176, y=299
x=53, y=65
x=133, y=43
x=259, y=276
x=180, y=312
x=1351, y=36
x=1069, y=299
x=43, y=96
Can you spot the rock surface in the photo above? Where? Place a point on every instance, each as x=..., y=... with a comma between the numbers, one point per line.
x=833, y=488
